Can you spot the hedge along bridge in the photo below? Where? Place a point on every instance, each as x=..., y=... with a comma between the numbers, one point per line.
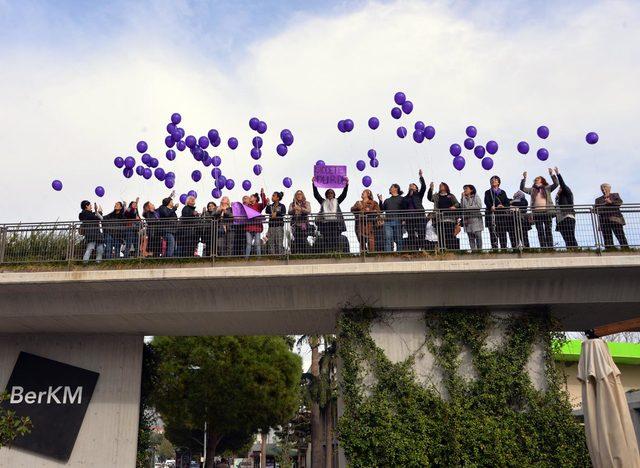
x=94, y=317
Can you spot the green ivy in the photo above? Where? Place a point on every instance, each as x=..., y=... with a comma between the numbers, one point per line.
x=495, y=419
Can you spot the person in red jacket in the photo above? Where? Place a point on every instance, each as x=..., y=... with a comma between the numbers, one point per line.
x=253, y=227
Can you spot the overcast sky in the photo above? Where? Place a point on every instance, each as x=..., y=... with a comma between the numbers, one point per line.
x=82, y=82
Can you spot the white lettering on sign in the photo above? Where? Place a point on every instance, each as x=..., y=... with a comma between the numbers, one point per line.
x=59, y=395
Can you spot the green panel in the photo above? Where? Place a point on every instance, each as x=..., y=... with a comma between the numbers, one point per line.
x=622, y=353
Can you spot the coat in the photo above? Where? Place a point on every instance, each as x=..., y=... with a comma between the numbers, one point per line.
x=278, y=219
x=444, y=214
x=339, y=221
x=547, y=192
x=113, y=224
x=493, y=200
x=472, y=216
x=609, y=212
x=564, y=202
x=414, y=201
x=169, y=219
x=300, y=220
x=255, y=225
x=90, y=227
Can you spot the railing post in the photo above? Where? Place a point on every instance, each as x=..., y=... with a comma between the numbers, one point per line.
x=436, y=218
x=213, y=246
x=3, y=243
x=519, y=229
x=72, y=245
x=596, y=235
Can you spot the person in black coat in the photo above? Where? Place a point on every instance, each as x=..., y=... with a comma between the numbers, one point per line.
x=416, y=222
x=565, y=213
x=152, y=218
x=497, y=214
x=169, y=224
x=520, y=226
x=610, y=217
x=112, y=226
x=90, y=229
x=190, y=228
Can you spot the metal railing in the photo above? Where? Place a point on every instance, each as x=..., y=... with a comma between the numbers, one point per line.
x=344, y=234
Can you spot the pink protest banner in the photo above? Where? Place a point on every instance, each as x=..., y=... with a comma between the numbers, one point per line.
x=330, y=176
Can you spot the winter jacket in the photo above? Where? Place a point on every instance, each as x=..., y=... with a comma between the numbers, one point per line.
x=442, y=204
x=255, y=224
x=472, y=215
x=533, y=191
x=494, y=200
x=564, y=202
x=90, y=227
x=414, y=201
x=113, y=224
x=169, y=220
x=280, y=212
x=610, y=212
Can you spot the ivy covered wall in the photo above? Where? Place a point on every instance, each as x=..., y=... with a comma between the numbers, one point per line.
x=495, y=418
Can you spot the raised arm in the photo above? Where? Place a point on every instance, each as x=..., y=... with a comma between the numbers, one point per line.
x=423, y=187
x=553, y=186
x=430, y=193
x=523, y=182
x=316, y=194
x=343, y=195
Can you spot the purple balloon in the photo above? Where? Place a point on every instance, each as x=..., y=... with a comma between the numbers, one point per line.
x=213, y=134
x=262, y=127
x=284, y=132
x=56, y=185
x=171, y=155
x=419, y=125
x=216, y=172
x=127, y=172
x=458, y=163
x=154, y=162
x=206, y=161
x=169, y=141
x=196, y=176
x=230, y=184
x=253, y=123
x=543, y=132
x=418, y=136
x=198, y=153
x=256, y=153
x=348, y=125
x=146, y=173
x=169, y=183
x=542, y=154
x=281, y=149
x=401, y=132
x=233, y=143
x=469, y=143
x=523, y=147
x=170, y=175
x=190, y=141
x=361, y=165
x=203, y=142
x=455, y=150
x=288, y=139
x=159, y=173
x=176, y=136
x=407, y=107
x=246, y=185
x=374, y=163
x=140, y=170
x=181, y=146
x=215, y=143
x=374, y=123
x=471, y=131
x=129, y=162
x=142, y=146
x=118, y=162
x=372, y=153
x=366, y=181
x=399, y=98
x=146, y=158
x=257, y=169
x=183, y=198
x=287, y=182
x=257, y=142
x=492, y=147
x=171, y=128
x=429, y=132
x=192, y=193
x=216, y=193
x=176, y=118
x=487, y=163
x=341, y=126
x=320, y=162
x=479, y=151
x=396, y=112
x=216, y=161
x=592, y=138
x=221, y=182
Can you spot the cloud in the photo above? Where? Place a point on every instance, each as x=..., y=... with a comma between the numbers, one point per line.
x=69, y=111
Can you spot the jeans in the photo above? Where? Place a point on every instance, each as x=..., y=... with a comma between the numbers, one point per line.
x=543, y=223
x=112, y=243
x=171, y=244
x=91, y=246
x=475, y=240
x=130, y=240
x=392, y=233
x=275, y=240
x=251, y=238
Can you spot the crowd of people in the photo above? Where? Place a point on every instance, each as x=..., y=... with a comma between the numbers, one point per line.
x=398, y=223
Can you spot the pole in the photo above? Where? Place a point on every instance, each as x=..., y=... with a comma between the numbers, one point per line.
x=204, y=458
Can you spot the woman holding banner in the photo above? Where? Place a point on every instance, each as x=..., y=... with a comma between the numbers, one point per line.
x=330, y=221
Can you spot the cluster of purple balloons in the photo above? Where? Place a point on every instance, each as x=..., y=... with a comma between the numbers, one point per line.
x=346, y=125
x=479, y=151
x=405, y=106
x=287, y=140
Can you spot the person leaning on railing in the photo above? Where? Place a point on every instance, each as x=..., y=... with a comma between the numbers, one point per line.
x=226, y=229
x=497, y=215
x=90, y=229
x=208, y=215
x=190, y=229
x=330, y=221
x=520, y=225
x=131, y=229
x=392, y=207
x=565, y=213
x=112, y=226
x=416, y=222
x=445, y=203
x=610, y=217
x=275, y=235
x=471, y=216
x=541, y=206
x=367, y=213
x=169, y=224
x=299, y=210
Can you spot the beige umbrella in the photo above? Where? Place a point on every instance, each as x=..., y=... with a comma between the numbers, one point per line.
x=610, y=435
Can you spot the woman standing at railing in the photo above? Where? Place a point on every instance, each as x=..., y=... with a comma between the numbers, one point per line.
x=226, y=234
x=471, y=216
x=541, y=205
x=496, y=215
x=253, y=227
x=330, y=221
x=275, y=235
x=393, y=218
x=90, y=229
x=519, y=225
x=299, y=210
x=112, y=227
x=169, y=224
x=610, y=217
x=131, y=229
x=444, y=202
x=416, y=221
x=565, y=213
x=367, y=212
x=208, y=232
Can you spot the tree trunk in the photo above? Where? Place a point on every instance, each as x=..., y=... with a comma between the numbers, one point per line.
x=263, y=450
x=329, y=434
x=317, y=458
x=213, y=440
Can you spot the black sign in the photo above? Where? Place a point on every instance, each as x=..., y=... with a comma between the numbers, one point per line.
x=55, y=397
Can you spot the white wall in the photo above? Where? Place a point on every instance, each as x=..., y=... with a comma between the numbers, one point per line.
x=109, y=433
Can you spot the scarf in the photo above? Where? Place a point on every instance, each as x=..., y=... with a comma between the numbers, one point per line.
x=330, y=208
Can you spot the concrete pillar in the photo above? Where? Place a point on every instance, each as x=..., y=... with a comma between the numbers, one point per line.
x=109, y=431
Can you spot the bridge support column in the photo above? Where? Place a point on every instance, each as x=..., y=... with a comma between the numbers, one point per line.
x=108, y=429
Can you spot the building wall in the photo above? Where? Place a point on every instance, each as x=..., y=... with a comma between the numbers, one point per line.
x=109, y=433
x=630, y=377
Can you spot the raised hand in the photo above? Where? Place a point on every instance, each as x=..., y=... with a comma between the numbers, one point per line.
x=420, y=173
x=346, y=180
x=550, y=171
x=556, y=169
x=431, y=186
x=524, y=175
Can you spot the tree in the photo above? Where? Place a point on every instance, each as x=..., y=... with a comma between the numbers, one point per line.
x=11, y=425
x=237, y=385
x=147, y=414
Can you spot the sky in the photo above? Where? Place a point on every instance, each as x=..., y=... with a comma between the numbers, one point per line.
x=83, y=81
